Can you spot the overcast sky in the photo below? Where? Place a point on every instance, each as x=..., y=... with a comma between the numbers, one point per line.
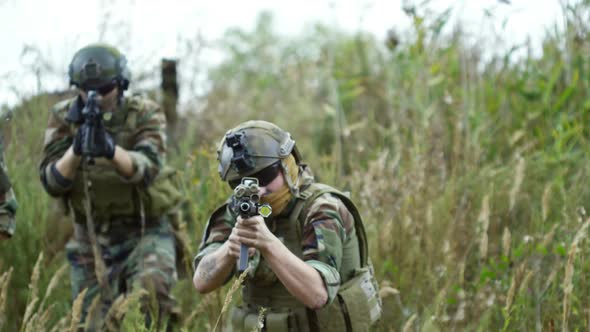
x=149, y=29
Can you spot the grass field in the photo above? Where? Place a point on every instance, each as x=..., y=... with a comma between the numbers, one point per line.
x=471, y=174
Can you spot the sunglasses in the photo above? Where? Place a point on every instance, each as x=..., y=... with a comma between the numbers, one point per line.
x=102, y=90
x=264, y=176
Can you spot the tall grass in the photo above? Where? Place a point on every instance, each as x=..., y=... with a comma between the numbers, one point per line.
x=469, y=173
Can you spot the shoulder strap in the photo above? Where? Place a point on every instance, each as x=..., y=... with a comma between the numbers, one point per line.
x=133, y=105
x=314, y=191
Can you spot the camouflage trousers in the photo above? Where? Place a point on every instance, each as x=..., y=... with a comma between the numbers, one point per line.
x=133, y=261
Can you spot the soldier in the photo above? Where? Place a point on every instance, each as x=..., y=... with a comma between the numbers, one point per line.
x=122, y=237
x=309, y=264
x=8, y=202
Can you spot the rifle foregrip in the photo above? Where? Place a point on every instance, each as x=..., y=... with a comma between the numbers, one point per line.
x=243, y=262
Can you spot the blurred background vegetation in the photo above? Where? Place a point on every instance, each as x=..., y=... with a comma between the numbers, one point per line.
x=471, y=172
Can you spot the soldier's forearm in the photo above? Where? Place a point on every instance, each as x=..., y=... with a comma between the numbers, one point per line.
x=68, y=164
x=213, y=270
x=123, y=162
x=301, y=280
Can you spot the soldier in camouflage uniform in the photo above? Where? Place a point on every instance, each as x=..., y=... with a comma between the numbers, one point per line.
x=122, y=238
x=309, y=263
x=8, y=203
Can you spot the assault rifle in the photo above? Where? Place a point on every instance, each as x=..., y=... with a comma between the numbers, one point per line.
x=92, y=122
x=246, y=203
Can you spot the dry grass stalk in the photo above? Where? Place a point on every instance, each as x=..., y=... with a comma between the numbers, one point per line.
x=506, y=240
x=39, y=320
x=581, y=212
x=408, y=326
x=33, y=287
x=44, y=318
x=4, y=281
x=510, y=295
x=94, y=311
x=518, y=177
x=516, y=137
x=260, y=320
x=121, y=306
x=35, y=275
x=230, y=294
x=387, y=291
x=29, y=311
x=568, y=285
x=77, y=310
x=110, y=318
x=483, y=221
x=549, y=236
x=57, y=277
x=517, y=283
x=205, y=302
x=545, y=201
x=61, y=325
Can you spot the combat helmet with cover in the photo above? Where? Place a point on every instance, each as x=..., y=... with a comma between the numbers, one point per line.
x=98, y=65
x=252, y=146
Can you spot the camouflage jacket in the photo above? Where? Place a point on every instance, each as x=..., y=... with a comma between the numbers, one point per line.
x=328, y=224
x=139, y=126
x=8, y=202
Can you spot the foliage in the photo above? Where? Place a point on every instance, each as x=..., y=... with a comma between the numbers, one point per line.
x=471, y=173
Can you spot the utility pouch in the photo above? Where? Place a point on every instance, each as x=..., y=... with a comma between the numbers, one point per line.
x=281, y=322
x=243, y=319
x=164, y=194
x=251, y=322
x=356, y=307
x=273, y=321
x=237, y=320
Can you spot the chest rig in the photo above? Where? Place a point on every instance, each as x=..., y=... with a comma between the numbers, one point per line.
x=284, y=311
x=110, y=195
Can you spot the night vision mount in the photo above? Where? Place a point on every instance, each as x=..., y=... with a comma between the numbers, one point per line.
x=241, y=160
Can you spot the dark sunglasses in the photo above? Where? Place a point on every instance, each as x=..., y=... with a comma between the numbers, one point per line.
x=264, y=176
x=103, y=90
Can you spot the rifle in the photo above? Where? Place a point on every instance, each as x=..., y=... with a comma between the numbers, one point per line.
x=246, y=203
x=90, y=146
x=92, y=118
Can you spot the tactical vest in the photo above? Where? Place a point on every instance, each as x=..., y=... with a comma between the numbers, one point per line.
x=111, y=196
x=357, y=305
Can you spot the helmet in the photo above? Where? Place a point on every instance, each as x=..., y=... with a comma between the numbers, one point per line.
x=251, y=147
x=96, y=65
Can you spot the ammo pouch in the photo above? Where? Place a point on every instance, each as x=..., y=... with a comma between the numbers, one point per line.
x=164, y=194
x=114, y=198
x=282, y=320
x=356, y=307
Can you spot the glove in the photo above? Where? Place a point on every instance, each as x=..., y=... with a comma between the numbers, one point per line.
x=104, y=144
x=93, y=142
x=107, y=145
